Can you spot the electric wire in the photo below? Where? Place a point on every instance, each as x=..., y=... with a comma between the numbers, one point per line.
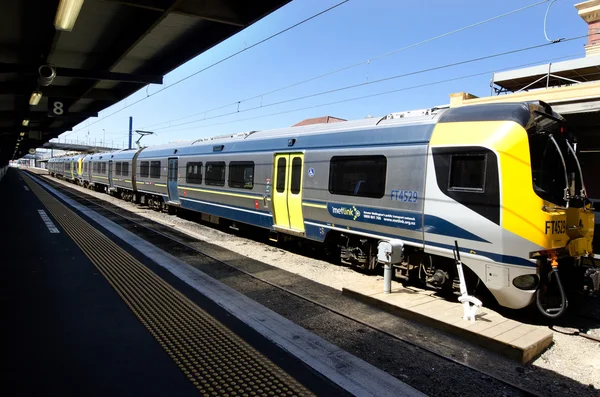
x=388, y=78
x=353, y=65
x=346, y=100
x=223, y=60
x=545, y=19
x=366, y=61
x=370, y=95
x=316, y=77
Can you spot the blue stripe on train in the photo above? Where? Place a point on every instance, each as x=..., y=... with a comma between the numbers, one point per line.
x=236, y=214
x=319, y=231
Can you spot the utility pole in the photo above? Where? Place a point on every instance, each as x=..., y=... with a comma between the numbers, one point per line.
x=130, y=130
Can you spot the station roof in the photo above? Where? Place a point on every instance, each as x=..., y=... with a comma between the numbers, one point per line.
x=115, y=48
x=77, y=147
x=573, y=71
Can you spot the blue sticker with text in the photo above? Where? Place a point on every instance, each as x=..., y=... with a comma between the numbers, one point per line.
x=379, y=216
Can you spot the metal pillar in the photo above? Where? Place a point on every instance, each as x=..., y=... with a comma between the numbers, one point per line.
x=387, y=278
x=130, y=130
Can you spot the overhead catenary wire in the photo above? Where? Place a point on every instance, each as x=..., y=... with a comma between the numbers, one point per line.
x=388, y=78
x=545, y=19
x=312, y=78
x=364, y=96
x=366, y=61
x=225, y=59
x=370, y=95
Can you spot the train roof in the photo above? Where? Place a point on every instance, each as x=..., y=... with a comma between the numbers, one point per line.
x=125, y=154
x=381, y=131
x=402, y=128
x=163, y=150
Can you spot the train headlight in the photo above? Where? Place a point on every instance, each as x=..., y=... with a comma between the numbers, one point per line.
x=526, y=281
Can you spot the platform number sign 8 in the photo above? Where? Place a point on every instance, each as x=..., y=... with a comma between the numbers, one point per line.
x=56, y=108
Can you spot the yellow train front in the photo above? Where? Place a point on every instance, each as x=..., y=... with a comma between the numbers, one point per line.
x=542, y=231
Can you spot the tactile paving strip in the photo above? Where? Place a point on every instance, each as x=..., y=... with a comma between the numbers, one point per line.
x=215, y=360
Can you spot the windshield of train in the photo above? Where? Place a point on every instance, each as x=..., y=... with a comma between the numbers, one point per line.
x=548, y=170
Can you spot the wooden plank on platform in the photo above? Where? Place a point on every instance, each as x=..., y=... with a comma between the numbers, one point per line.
x=491, y=330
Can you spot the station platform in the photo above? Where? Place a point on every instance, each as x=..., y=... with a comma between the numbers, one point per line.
x=89, y=312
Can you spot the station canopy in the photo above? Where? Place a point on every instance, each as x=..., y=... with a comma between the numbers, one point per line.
x=574, y=71
x=53, y=78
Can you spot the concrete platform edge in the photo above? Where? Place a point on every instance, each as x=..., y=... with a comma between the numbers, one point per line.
x=506, y=349
x=344, y=369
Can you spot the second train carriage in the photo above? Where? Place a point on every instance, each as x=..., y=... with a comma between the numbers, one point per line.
x=503, y=180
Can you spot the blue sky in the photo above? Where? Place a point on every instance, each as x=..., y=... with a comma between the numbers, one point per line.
x=356, y=31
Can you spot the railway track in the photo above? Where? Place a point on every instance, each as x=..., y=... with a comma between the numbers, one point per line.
x=102, y=206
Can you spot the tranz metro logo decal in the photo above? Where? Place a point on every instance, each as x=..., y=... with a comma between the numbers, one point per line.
x=556, y=227
x=385, y=217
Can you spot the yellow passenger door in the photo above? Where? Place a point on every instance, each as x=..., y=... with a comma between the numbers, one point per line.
x=287, y=192
x=296, y=166
x=280, y=183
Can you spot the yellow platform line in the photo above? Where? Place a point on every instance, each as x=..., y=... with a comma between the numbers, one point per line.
x=213, y=358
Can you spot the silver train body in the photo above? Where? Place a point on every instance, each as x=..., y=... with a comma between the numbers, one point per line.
x=476, y=175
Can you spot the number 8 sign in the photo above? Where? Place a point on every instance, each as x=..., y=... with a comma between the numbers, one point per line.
x=56, y=107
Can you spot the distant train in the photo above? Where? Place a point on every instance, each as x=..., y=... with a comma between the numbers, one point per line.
x=501, y=179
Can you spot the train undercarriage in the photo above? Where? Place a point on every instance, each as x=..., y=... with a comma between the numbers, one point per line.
x=577, y=276
x=417, y=268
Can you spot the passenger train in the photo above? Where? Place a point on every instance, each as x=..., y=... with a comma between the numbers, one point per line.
x=502, y=180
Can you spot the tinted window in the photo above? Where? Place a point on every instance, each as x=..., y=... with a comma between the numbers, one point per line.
x=144, y=169
x=241, y=174
x=155, y=169
x=467, y=172
x=362, y=176
x=85, y=167
x=215, y=173
x=104, y=168
x=118, y=168
x=193, y=173
x=281, y=165
x=125, y=169
x=296, y=175
x=484, y=200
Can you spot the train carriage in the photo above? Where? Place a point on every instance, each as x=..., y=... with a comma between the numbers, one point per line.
x=501, y=180
x=123, y=175
x=151, y=175
x=99, y=171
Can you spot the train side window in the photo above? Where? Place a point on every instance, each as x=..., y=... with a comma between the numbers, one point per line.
x=215, y=173
x=281, y=170
x=361, y=176
x=104, y=168
x=155, y=169
x=241, y=174
x=296, y=175
x=467, y=173
x=118, y=168
x=144, y=169
x=193, y=173
x=125, y=169
x=85, y=167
